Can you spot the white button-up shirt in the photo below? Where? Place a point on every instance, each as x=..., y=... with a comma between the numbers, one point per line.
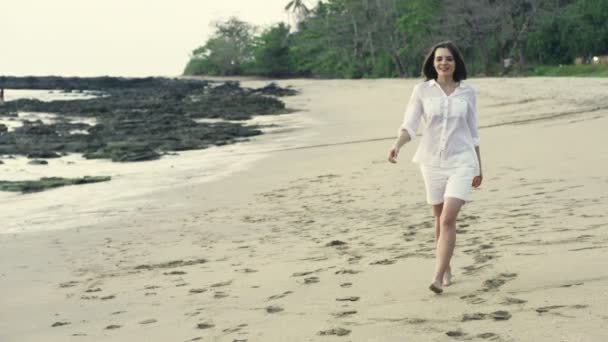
x=450, y=131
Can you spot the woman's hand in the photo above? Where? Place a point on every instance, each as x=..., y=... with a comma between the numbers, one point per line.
x=477, y=180
x=392, y=154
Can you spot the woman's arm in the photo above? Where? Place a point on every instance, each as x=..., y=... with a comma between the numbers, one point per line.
x=404, y=138
x=478, y=159
x=479, y=178
x=411, y=121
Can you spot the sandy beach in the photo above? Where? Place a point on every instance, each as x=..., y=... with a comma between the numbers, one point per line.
x=307, y=233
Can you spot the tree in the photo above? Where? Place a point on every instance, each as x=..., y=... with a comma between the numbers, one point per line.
x=579, y=30
x=298, y=9
x=272, y=52
x=228, y=52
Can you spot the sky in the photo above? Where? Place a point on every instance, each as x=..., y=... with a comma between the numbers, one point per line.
x=115, y=37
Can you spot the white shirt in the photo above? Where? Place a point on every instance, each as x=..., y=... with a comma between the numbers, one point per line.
x=450, y=131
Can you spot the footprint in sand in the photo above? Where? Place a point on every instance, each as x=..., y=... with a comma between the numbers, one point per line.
x=511, y=301
x=222, y=284
x=551, y=308
x=473, y=299
x=488, y=336
x=246, y=270
x=195, y=291
x=570, y=285
x=148, y=321
x=473, y=269
x=220, y=294
x=335, y=331
x=311, y=280
x=113, y=326
x=345, y=271
x=500, y=280
x=342, y=314
x=500, y=315
x=274, y=309
x=235, y=329
x=335, y=243
x=279, y=295
x=205, y=325
x=348, y=299
x=455, y=333
x=70, y=283
x=172, y=264
x=59, y=324
x=383, y=262
x=473, y=317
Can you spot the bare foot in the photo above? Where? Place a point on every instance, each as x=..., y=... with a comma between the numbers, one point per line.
x=436, y=287
x=447, y=277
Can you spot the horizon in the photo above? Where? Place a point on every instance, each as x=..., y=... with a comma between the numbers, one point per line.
x=115, y=38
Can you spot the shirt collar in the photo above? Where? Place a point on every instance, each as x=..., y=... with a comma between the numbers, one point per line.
x=432, y=82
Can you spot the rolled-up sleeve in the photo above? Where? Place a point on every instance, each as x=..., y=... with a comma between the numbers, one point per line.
x=472, y=119
x=413, y=113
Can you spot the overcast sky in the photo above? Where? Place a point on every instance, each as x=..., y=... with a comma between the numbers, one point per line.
x=115, y=37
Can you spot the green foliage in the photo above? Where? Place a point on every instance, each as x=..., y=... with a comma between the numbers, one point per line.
x=389, y=38
x=228, y=52
x=589, y=70
x=579, y=31
x=271, y=52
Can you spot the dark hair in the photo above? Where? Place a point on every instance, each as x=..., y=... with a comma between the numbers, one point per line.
x=428, y=69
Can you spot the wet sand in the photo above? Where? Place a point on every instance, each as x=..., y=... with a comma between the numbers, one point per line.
x=319, y=238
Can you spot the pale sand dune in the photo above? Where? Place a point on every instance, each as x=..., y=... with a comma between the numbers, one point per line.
x=319, y=236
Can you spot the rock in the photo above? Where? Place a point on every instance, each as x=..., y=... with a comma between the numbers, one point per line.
x=137, y=119
x=42, y=155
x=274, y=90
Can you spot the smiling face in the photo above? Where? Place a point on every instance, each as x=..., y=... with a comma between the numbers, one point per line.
x=444, y=63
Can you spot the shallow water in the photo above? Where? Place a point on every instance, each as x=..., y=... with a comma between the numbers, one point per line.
x=40, y=211
x=47, y=95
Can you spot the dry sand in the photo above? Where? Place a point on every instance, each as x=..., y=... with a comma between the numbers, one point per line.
x=313, y=236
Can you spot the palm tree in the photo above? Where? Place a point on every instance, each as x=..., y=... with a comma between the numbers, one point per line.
x=299, y=9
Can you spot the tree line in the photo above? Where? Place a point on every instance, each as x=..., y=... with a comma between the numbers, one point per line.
x=389, y=38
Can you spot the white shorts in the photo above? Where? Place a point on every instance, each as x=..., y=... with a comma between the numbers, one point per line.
x=442, y=182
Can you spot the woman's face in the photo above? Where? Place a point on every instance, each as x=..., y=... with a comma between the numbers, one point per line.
x=444, y=63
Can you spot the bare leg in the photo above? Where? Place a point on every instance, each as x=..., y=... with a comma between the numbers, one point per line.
x=437, y=209
x=446, y=241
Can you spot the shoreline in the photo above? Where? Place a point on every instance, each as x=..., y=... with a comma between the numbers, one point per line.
x=311, y=243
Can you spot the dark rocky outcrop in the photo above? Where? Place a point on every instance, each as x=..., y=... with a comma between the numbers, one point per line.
x=136, y=118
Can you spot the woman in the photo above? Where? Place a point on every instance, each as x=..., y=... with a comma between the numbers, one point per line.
x=448, y=154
